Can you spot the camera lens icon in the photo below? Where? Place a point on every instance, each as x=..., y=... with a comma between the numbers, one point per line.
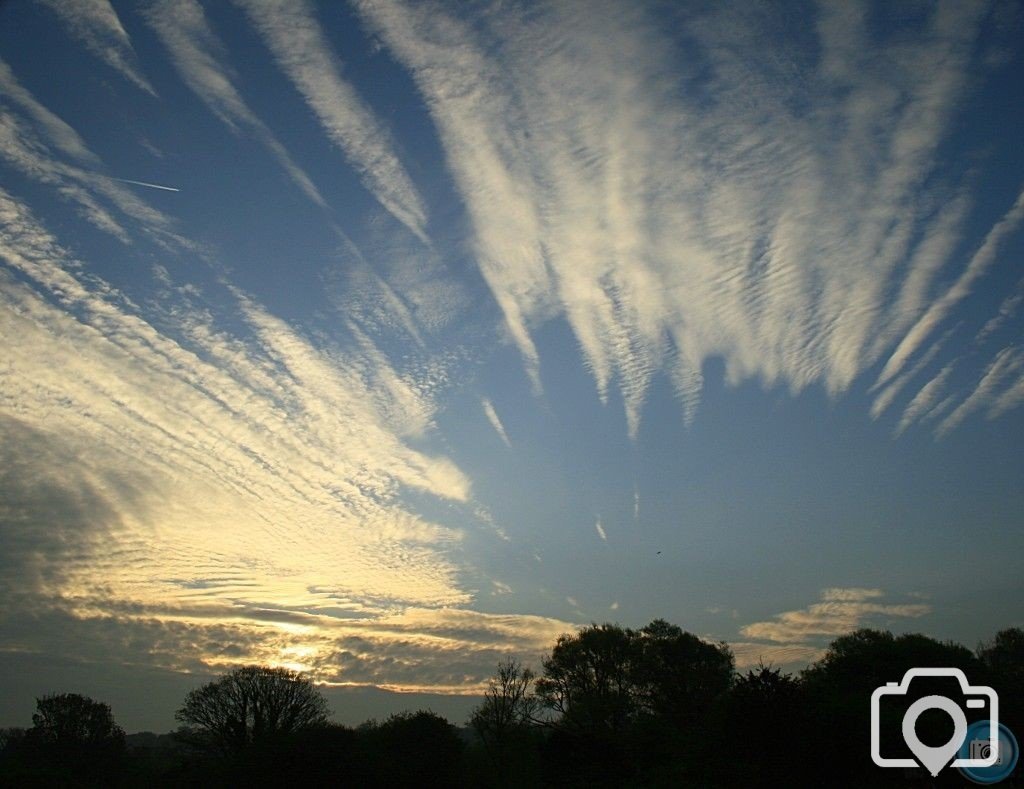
x=935, y=758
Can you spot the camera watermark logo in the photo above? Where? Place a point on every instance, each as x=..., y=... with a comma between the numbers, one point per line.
x=980, y=743
x=982, y=749
x=981, y=752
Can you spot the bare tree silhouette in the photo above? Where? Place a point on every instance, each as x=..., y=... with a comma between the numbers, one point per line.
x=251, y=704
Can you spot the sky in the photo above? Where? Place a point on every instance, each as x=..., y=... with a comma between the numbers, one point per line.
x=379, y=340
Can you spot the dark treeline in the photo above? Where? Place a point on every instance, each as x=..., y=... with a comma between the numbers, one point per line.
x=610, y=706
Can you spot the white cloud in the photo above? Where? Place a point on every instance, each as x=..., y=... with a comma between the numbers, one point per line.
x=233, y=469
x=300, y=47
x=492, y=417
x=940, y=309
x=419, y=649
x=95, y=23
x=23, y=151
x=34, y=155
x=368, y=299
x=840, y=611
x=1007, y=364
x=774, y=214
x=198, y=55
x=1012, y=396
x=942, y=233
x=664, y=225
x=751, y=654
x=60, y=133
x=498, y=201
x=890, y=391
x=924, y=401
x=850, y=594
x=1007, y=310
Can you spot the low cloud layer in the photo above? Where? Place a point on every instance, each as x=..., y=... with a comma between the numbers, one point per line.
x=839, y=611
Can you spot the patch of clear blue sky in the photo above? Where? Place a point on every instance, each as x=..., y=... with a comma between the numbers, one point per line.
x=764, y=500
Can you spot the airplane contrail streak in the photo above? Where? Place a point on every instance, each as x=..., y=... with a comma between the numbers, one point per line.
x=141, y=183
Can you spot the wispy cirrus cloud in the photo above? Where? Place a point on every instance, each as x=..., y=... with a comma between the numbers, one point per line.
x=504, y=216
x=199, y=56
x=492, y=417
x=65, y=138
x=96, y=24
x=888, y=393
x=979, y=263
x=22, y=150
x=294, y=36
x=205, y=479
x=1000, y=388
x=923, y=403
x=779, y=211
x=1007, y=310
x=33, y=138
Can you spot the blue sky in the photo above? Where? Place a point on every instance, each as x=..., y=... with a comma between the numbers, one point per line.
x=379, y=340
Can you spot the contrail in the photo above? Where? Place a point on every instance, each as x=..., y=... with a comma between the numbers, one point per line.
x=140, y=183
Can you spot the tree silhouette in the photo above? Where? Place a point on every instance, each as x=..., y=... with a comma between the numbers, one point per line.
x=756, y=705
x=504, y=722
x=650, y=707
x=588, y=680
x=679, y=675
x=413, y=749
x=1003, y=659
x=74, y=720
x=864, y=659
x=509, y=704
x=11, y=738
x=604, y=676
x=252, y=704
x=838, y=689
x=764, y=690
x=73, y=740
x=627, y=700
